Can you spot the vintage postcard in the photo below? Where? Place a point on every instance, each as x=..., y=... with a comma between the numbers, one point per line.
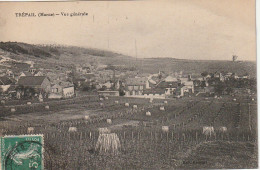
x=167, y=84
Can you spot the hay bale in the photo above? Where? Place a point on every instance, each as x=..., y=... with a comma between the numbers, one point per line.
x=104, y=130
x=116, y=102
x=208, y=130
x=135, y=106
x=127, y=104
x=148, y=113
x=30, y=129
x=72, y=129
x=47, y=107
x=109, y=121
x=108, y=143
x=13, y=109
x=86, y=117
x=223, y=129
x=165, y=128
x=162, y=108
x=29, y=103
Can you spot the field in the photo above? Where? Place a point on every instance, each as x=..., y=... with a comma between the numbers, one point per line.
x=144, y=145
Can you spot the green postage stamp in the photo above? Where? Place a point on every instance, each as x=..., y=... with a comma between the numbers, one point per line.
x=22, y=152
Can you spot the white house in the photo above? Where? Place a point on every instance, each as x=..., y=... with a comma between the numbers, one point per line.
x=170, y=79
x=135, y=86
x=62, y=89
x=68, y=91
x=188, y=86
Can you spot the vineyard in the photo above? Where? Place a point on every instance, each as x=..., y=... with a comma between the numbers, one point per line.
x=165, y=138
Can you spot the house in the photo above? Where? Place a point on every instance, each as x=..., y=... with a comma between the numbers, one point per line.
x=56, y=92
x=32, y=70
x=154, y=93
x=188, y=87
x=183, y=79
x=170, y=79
x=5, y=83
x=219, y=76
x=135, y=86
x=38, y=73
x=62, y=89
x=168, y=87
x=39, y=83
x=68, y=91
x=25, y=73
x=9, y=73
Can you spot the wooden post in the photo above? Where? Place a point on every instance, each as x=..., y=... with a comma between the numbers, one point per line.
x=249, y=117
x=196, y=137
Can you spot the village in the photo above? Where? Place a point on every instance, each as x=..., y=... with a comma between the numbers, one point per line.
x=92, y=104
x=29, y=81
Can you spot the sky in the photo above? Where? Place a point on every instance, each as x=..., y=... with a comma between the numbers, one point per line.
x=185, y=29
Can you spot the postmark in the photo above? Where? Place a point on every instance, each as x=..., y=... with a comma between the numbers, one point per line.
x=22, y=152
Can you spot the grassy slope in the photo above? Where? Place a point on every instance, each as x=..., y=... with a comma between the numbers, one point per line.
x=70, y=54
x=219, y=155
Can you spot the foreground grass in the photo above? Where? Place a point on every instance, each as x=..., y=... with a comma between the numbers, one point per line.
x=222, y=155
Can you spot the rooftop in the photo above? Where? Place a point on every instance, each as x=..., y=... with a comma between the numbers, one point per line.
x=136, y=81
x=31, y=80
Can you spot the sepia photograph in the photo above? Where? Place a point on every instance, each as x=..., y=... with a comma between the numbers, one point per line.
x=167, y=84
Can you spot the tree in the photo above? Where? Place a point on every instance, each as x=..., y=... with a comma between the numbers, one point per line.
x=219, y=88
x=204, y=74
x=121, y=92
